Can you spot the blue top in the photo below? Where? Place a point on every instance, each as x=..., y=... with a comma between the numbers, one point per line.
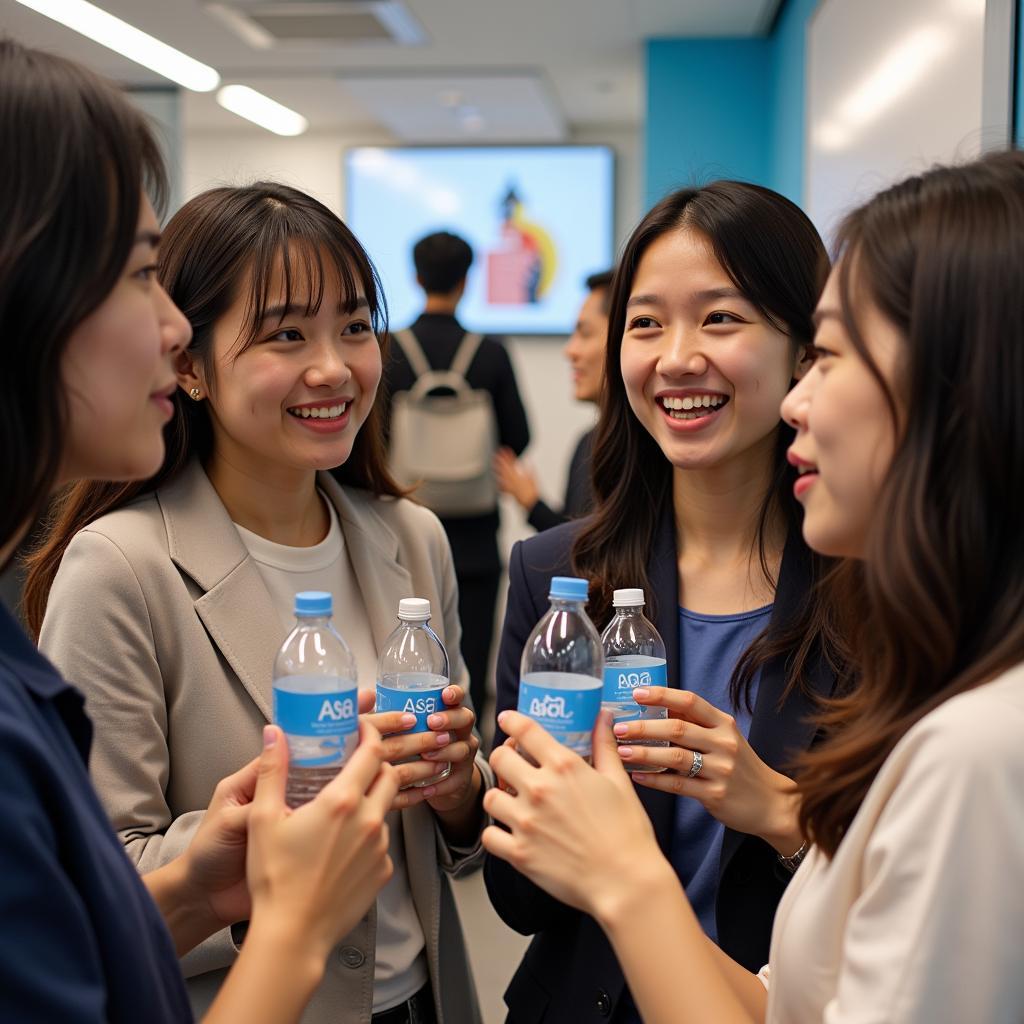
x=314, y=603
x=81, y=940
x=709, y=647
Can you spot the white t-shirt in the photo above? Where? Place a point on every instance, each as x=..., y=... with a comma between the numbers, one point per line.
x=401, y=963
x=919, y=917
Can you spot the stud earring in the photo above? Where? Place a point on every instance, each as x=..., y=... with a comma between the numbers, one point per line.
x=195, y=394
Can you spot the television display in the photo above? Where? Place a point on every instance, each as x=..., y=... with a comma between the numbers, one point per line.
x=539, y=219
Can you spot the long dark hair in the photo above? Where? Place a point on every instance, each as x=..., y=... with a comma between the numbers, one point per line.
x=773, y=254
x=940, y=597
x=75, y=159
x=211, y=247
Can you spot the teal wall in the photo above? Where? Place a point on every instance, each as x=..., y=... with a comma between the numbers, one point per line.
x=728, y=108
x=708, y=114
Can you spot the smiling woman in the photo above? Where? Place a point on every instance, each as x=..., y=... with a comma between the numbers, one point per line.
x=274, y=482
x=709, y=326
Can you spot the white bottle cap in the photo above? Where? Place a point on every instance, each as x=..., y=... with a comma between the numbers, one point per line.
x=631, y=597
x=414, y=609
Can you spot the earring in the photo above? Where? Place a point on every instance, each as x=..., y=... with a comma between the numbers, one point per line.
x=195, y=394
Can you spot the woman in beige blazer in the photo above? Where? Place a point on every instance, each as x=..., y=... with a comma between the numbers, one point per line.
x=165, y=610
x=908, y=907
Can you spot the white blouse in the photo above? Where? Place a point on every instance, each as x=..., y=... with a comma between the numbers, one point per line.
x=919, y=917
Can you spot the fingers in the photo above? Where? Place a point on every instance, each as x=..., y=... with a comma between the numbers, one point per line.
x=401, y=748
x=388, y=722
x=670, y=782
x=685, y=703
x=237, y=788
x=499, y=842
x=511, y=768
x=364, y=765
x=501, y=806
x=272, y=774
x=677, y=731
x=366, y=701
x=456, y=753
x=457, y=720
x=453, y=695
x=606, y=749
x=531, y=737
x=383, y=790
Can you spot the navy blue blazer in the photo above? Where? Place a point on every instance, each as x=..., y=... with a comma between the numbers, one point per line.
x=569, y=971
x=81, y=940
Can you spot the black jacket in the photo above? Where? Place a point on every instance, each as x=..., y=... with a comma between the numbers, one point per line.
x=569, y=972
x=474, y=539
x=579, y=497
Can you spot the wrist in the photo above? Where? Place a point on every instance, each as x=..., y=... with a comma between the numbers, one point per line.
x=184, y=906
x=296, y=950
x=782, y=824
x=629, y=895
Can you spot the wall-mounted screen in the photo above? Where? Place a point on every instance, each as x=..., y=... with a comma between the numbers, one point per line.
x=539, y=219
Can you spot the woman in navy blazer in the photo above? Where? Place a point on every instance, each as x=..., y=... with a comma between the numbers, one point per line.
x=89, y=340
x=709, y=325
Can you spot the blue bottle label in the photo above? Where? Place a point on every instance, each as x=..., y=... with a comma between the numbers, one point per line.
x=318, y=725
x=623, y=676
x=561, y=709
x=421, y=702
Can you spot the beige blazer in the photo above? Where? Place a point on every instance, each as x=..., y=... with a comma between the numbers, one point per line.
x=161, y=617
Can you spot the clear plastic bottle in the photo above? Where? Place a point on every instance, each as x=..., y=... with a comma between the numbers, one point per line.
x=413, y=672
x=634, y=656
x=560, y=672
x=315, y=698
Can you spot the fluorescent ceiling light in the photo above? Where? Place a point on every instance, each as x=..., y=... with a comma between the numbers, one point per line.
x=128, y=41
x=261, y=110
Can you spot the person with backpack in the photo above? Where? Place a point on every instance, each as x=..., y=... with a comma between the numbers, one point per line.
x=429, y=422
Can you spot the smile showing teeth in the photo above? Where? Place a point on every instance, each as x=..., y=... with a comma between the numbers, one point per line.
x=691, y=407
x=321, y=412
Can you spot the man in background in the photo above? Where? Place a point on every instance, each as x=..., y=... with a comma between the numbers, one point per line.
x=585, y=351
x=442, y=262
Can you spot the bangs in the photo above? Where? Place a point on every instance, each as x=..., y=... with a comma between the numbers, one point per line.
x=295, y=260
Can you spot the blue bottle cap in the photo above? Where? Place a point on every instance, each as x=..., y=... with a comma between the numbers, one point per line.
x=313, y=602
x=569, y=588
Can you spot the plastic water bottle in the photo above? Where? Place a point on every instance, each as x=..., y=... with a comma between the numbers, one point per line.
x=413, y=672
x=634, y=656
x=560, y=673
x=315, y=698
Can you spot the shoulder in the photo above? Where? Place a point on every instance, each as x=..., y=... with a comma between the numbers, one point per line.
x=135, y=534
x=547, y=554
x=412, y=525
x=975, y=733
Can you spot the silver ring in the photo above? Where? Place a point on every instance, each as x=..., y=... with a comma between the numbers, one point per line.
x=698, y=763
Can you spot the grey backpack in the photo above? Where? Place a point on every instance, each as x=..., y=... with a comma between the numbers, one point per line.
x=444, y=443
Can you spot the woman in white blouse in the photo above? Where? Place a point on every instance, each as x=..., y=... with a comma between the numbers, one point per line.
x=908, y=905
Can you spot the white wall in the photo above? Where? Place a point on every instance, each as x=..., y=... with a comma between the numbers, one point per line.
x=314, y=163
x=891, y=89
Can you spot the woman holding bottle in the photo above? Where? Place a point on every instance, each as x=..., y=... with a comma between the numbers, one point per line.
x=170, y=598
x=90, y=339
x=910, y=449
x=710, y=325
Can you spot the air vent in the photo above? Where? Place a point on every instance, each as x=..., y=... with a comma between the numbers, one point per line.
x=321, y=23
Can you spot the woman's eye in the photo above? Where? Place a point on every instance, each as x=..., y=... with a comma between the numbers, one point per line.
x=720, y=317
x=641, y=323
x=817, y=353
x=288, y=334
x=147, y=273
x=358, y=327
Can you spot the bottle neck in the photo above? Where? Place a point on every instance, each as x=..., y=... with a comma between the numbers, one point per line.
x=626, y=610
x=566, y=604
x=313, y=620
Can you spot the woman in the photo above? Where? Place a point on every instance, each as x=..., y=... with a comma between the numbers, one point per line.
x=910, y=446
x=190, y=578
x=91, y=337
x=710, y=324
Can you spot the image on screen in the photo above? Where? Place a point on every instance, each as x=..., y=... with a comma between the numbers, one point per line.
x=539, y=220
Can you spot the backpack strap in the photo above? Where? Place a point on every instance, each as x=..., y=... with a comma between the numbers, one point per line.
x=409, y=344
x=465, y=353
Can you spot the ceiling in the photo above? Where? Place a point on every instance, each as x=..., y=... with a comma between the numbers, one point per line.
x=486, y=70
